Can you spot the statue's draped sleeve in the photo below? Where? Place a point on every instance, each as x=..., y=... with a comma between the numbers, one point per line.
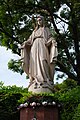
x=25, y=53
x=52, y=46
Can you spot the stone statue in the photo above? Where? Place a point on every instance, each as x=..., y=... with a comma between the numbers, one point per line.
x=39, y=54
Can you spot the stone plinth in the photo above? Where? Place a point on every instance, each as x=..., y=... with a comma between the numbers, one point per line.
x=39, y=90
x=45, y=87
x=48, y=112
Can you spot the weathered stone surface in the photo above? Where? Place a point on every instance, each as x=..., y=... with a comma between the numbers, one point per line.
x=39, y=56
x=41, y=88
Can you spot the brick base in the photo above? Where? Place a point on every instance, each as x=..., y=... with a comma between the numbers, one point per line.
x=41, y=113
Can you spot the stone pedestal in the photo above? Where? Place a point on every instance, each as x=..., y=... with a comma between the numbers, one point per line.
x=45, y=87
x=48, y=112
x=39, y=90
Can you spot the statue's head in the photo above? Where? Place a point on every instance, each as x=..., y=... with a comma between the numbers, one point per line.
x=40, y=21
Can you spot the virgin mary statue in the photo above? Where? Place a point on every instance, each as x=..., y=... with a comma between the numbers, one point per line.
x=39, y=54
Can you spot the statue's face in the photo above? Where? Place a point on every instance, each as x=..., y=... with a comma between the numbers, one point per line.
x=40, y=21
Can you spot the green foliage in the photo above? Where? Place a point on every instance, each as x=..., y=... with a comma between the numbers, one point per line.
x=67, y=85
x=9, y=97
x=65, y=13
x=15, y=66
x=39, y=98
x=70, y=101
x=67, y=95
x=77, y=113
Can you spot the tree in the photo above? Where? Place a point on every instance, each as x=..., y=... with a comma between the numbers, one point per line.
x=16, y=26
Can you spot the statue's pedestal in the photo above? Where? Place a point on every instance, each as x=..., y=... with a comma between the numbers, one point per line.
x=48, y=112
x=39, y=90
x=45, y=87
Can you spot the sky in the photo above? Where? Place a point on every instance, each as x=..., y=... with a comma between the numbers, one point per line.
x=8, y=77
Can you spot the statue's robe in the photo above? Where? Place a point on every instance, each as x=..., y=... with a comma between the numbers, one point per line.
x=39, y=56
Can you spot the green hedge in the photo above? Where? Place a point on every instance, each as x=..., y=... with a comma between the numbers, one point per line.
x=67, y=94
